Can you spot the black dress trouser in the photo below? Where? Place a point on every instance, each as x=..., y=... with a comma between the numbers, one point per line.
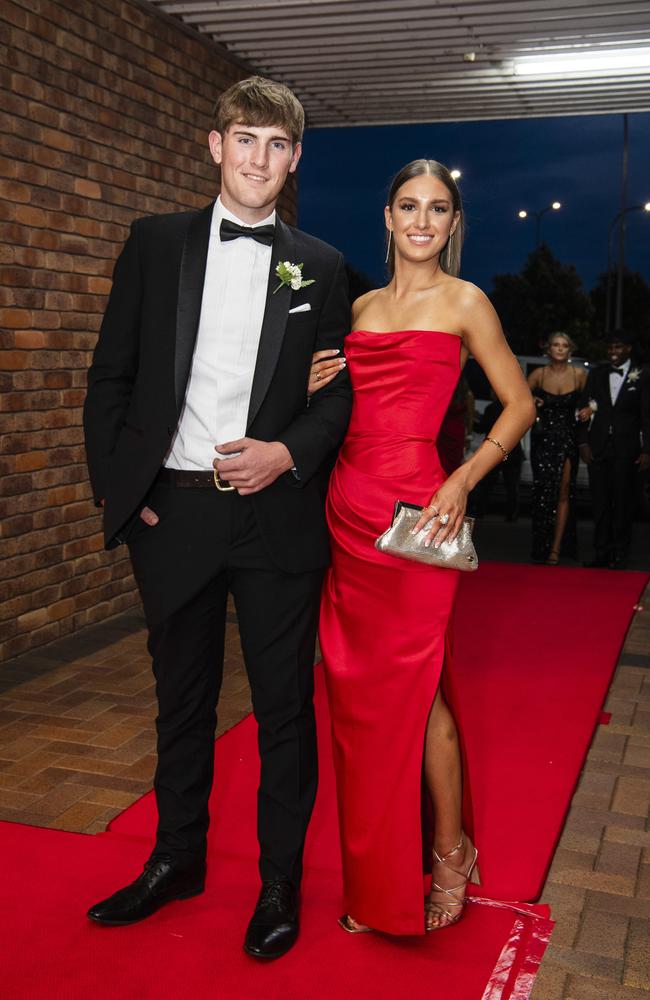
x=612, y=481
x=206, y=545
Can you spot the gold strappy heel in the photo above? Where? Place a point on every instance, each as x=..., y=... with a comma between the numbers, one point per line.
x=350, y=925
x=444, y=909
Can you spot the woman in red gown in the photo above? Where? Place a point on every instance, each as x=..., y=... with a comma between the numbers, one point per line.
x=384, y=621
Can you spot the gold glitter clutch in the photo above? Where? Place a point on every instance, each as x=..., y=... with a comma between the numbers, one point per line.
x=398, y=541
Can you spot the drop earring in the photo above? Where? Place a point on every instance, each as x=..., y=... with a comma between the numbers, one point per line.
x=390, y=237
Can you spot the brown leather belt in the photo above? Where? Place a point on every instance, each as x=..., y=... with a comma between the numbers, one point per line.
x=188, y=479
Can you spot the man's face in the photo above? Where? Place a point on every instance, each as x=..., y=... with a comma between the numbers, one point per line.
x=618, y=353
x=255, y=162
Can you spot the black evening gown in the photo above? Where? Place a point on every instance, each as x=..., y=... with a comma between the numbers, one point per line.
x=553, y=440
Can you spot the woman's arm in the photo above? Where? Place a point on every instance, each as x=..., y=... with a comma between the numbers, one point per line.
x=483, y=337
x=533, y=378
x=485, y=340
x=534, y=381
x=325, y=365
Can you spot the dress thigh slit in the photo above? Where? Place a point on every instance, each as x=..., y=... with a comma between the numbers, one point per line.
x=384, y=661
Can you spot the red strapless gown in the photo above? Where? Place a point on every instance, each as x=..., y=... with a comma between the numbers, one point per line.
x=384, y=620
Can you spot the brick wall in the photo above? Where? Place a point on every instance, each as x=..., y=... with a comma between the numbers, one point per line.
x=104, y=114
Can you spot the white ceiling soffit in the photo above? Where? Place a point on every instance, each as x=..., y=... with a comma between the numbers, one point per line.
x=358, y=62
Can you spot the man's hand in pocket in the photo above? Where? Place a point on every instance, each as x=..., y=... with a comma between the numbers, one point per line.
x=149, y=516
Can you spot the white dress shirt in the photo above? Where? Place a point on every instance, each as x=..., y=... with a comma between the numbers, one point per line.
x=616, y=380
x=217, y=398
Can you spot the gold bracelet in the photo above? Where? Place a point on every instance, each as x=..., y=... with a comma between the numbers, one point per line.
x=500, y=446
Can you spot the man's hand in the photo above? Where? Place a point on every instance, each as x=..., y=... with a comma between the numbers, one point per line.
x=149, y=516
x=585, y=453
x=258, y=465
x=643, y=461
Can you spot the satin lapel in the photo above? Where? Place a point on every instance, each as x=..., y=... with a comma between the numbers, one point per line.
x=190, y=294
x=276, y=311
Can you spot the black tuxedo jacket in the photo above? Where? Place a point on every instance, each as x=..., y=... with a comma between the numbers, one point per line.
x=141, y=365
x=626, y=424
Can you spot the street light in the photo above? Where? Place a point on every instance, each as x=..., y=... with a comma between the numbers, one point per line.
x=619, y=289
x=456, y=174
x=555, y=206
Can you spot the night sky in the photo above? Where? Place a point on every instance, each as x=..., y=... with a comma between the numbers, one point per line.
x=507, y=165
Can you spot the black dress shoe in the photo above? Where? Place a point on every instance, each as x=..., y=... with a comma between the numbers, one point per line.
x=598, y=563
x=161, y=881
x=274, y=926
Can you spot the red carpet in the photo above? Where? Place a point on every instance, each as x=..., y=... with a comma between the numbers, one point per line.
x=534, y=654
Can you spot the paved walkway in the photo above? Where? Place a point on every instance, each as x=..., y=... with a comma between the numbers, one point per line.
x=599, y=883
x=77, y=740
x=76, y=748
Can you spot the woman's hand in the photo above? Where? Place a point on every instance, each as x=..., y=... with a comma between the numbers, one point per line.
x=585, y=414
x=324, y=367
x=447, y=509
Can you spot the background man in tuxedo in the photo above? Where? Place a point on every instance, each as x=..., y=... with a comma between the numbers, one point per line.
x=615, y=444
x=211, y=466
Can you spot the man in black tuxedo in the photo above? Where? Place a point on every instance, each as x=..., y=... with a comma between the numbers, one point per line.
x=212, y=467
x=615, y=443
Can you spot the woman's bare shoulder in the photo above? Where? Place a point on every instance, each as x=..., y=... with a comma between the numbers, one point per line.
x=464, y=295
x=468, y=294
x=362, y=303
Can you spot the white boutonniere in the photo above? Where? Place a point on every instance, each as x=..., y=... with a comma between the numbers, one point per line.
x=634, y=375
x=291, y=276
x=593, y=405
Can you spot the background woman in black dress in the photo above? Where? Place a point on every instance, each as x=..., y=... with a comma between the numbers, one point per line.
x=556, y=389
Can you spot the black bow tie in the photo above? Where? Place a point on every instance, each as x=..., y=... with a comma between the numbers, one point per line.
x=232, y=231
x=616, y=371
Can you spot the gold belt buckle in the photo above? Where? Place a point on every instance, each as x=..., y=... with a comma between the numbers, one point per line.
x=222, y=484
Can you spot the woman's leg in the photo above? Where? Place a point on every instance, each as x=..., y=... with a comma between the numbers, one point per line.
x=562, y=509
x=443, y=775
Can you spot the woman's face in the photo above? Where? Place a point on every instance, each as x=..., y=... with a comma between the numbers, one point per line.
x=559, y=350
x=422, y=218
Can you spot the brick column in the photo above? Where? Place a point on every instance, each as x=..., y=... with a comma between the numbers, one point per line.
x=105, y=109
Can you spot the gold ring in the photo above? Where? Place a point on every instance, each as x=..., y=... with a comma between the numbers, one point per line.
x=317, y=377
x=431, y=507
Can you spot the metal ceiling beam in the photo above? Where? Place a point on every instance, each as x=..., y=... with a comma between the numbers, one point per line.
x=354, y=61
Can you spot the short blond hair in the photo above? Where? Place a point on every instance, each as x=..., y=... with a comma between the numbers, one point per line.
x=258, y=102
x=559, y=333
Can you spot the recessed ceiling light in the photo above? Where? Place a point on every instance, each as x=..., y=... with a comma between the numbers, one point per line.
x=583, y=62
